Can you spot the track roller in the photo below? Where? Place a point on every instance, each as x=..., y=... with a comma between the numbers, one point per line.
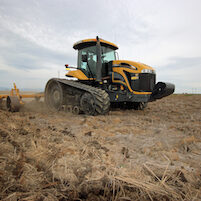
x=140, y=105
x=13, y=104
x=69, y=108
x=76, y=110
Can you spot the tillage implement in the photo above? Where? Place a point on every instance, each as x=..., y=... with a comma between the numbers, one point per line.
x=14, y=99
x=100, y=81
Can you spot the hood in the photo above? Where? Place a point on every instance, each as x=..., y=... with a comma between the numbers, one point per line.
x=138, y=65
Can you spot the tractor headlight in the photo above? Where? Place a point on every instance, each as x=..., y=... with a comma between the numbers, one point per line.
x=148, y=71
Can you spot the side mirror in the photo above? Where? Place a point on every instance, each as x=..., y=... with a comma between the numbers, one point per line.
x=84, y=58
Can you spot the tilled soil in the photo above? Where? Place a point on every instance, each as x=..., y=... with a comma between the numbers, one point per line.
x=153, y=154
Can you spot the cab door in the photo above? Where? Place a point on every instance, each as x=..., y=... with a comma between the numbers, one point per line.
x=88, y=64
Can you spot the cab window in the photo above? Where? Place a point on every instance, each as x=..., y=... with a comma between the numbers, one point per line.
x=90, y=69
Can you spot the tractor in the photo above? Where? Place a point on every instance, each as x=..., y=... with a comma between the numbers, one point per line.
x=101, y=81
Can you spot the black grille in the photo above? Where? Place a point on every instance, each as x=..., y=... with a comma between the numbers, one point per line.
x=145, y=82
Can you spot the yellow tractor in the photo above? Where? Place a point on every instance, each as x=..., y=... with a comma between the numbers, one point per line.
x=103, y=81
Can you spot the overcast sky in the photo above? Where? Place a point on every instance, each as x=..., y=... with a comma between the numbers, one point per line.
x=36, y=37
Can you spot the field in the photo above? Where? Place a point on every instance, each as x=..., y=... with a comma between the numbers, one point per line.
x=153, y=154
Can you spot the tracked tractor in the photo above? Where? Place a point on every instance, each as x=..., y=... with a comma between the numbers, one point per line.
x=103, y=81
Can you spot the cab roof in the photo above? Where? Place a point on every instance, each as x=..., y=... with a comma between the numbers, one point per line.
x=91, y=42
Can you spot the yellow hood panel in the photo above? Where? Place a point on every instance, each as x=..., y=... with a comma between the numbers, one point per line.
x=138, y=65
x=76, y=74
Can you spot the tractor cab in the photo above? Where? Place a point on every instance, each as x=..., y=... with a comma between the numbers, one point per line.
x=87, y=56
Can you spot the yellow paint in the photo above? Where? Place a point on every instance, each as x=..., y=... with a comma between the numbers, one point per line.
x=94, y=40
x=16, y=92
x=78, y=74
x=137, y=68
x=134, y=78
x=138, y=65
x=121, y=70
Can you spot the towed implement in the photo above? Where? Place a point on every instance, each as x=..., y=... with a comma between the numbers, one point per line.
x=14, y=99
x=103, y=81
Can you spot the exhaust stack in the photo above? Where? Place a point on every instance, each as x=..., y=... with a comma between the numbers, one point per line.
x=98, y=63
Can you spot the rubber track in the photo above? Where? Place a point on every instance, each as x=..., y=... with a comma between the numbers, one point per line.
x=101, y=97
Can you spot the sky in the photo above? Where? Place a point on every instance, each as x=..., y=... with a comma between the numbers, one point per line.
x=36, y=37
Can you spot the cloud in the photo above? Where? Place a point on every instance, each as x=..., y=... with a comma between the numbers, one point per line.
x=36, y=37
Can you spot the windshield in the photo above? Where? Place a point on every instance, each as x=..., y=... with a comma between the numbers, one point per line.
x=108, y=54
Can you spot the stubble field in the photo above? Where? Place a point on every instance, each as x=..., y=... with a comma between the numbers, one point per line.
x=153, y=154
